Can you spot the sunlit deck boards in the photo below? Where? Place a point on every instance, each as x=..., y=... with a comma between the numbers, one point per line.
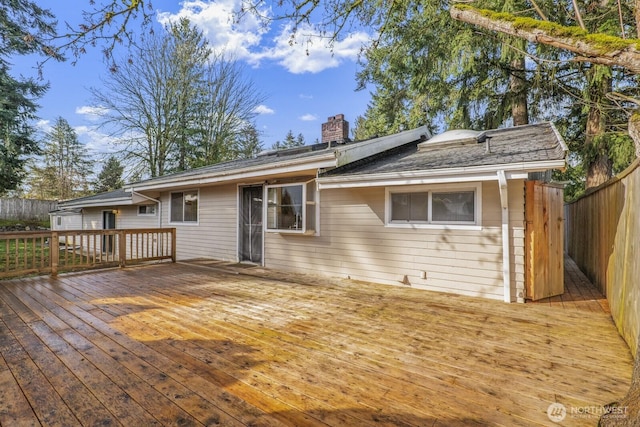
x=186, y=345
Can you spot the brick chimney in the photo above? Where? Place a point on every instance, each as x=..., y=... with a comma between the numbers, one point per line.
x=335, y=130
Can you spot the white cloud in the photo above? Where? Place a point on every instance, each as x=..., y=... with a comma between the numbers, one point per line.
x=263, y=109
x=305, y=96
x=308, y=118
x=92, y=113
x=43, y=125
x=245, y=40
x=311, y=53
x=95, y=141
x=216, y=20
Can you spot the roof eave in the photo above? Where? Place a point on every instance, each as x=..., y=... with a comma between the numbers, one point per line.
x=445, y=175
x=318, y=162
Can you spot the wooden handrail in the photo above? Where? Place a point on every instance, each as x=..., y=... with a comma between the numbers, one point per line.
x=53, y=251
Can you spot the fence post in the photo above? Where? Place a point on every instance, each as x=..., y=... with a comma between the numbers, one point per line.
x=54, y=253
x=122, y=248
x=173, y=245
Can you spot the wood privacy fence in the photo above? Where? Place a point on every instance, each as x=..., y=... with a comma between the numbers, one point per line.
x=603, y=235
x=26, y=209
x=51, y=252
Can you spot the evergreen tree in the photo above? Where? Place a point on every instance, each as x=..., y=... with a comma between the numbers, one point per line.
x=24, y=27
x=110, y=177
x=290, y=141
x=248, y=143
x=66, y=169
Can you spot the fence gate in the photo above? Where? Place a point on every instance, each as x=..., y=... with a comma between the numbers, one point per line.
x=544, y=240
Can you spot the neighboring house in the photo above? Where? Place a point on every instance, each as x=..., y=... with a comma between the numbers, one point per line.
x=66, y=219
x=444, y=214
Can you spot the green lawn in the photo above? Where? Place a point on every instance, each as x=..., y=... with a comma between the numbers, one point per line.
x=33, y=254
x=23, y=254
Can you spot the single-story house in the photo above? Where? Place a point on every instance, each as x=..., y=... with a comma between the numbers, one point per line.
x=451, y=213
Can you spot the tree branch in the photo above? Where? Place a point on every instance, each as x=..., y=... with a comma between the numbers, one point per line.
x=594, y=48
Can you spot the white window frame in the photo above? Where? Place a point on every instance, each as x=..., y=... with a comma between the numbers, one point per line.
x=307, y=205
x=183, y=222
x=155, y=210
x=430, y=189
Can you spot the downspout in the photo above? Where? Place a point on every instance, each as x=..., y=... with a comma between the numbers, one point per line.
x=506, y=249
x=133, y=191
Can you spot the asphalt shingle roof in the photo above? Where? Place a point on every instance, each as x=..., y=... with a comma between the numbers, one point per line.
x=110, y=195
x=520, y=144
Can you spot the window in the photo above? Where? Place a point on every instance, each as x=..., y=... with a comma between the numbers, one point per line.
x=450, y=205
x=58, y=220
x=184, y=206
x=291, y=208
x=147, y=210
x=412, y=207
x=453, y=206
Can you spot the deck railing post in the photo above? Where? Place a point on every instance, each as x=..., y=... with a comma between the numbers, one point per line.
x=173, y=245
x=122, y=247
x=54, y=253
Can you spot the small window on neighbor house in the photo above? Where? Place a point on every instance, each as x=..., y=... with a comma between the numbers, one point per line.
x=59, y=220
x=147, y=210
x=184, y=206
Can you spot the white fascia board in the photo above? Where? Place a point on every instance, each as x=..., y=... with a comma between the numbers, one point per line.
x=354, y=152
x=452, y=175
x=99, y=203
x=326, y=161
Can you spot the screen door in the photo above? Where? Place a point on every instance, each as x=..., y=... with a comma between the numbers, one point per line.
x=251, y=224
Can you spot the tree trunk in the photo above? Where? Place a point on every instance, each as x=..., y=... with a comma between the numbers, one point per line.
x=518, y=89
x=599, y=166
x=626, y=412
x=634, y=130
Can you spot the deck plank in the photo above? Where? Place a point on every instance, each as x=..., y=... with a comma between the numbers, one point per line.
x=182, y=344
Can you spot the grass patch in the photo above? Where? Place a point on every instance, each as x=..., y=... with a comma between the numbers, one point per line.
x=33, y=254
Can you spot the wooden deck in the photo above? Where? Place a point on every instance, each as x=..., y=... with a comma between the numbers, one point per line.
x=180, y=344
x=579, y=292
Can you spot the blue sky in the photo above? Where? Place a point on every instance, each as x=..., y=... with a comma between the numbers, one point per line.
x=302, y=89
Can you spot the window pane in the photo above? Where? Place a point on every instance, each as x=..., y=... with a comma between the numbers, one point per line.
x=147, y=210
x=291, y=208
x=456, y=206
x=176, y=207
x=311, y=217
x=400, y=207
x=419, y=206
x=284, y=211
x=191, y=207
x=409, y=207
